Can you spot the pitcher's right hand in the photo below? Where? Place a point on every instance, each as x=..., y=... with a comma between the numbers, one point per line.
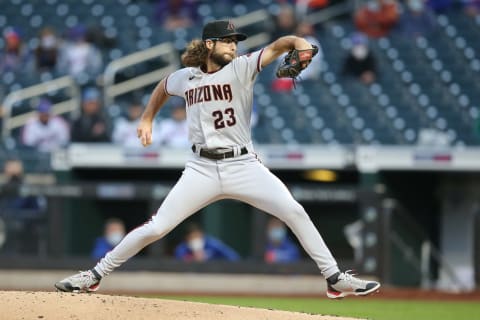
x=144, y=132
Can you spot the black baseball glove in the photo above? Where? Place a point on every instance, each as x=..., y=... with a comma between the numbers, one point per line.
x=295, y=61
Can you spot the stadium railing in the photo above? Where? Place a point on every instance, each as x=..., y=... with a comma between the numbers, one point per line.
x=70, y=105
x=112, y=89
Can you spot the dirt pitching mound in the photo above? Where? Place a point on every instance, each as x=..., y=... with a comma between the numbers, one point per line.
x=67, y=306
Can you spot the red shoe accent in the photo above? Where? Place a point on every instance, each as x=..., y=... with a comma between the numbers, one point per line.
x=334, y=293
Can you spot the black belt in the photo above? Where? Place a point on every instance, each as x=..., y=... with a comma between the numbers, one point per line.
x=214, y=155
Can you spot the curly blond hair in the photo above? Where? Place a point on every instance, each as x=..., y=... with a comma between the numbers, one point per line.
x=195, y=54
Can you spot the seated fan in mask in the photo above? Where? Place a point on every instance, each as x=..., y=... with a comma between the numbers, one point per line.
x=199, y=247
x=114, y=232
x=280, y=248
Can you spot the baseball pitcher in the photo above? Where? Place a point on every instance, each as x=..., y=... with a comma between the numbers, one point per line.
x=217, y=86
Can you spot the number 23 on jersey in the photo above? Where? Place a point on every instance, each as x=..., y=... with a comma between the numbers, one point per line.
x=224, y=118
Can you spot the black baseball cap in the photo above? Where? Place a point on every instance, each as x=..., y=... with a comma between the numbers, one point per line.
x=221, y=29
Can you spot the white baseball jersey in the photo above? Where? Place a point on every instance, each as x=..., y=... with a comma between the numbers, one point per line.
x=219, y=104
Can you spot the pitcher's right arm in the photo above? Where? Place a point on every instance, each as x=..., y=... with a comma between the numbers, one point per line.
x=157, y=100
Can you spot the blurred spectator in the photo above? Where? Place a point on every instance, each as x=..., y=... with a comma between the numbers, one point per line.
x=360, y=62
x=471, y=7
x=113, y=233
x=432, y=137
x=440, y=6
x=304, y=7
x=174, y=14
x=280, y=248
x=199, y=247
x=416, y=20
x=13, y=173
x=46, y=53
x=376, y=18
x=283, y=84
x=284, y=22
x=125, y=129
x=24, y=216
x=354, y=234
x=15, y=56
x=78, y=57
x=100, y=37
x=45, y=132
x=173, y=131
x=91, y=126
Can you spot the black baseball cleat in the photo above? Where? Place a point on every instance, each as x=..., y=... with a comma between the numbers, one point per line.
x=347, y=285
x=84, y=281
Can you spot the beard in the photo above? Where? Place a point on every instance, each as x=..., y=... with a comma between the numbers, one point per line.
x=221, y=59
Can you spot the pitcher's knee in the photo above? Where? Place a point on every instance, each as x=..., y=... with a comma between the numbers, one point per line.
x=159, y=227
x=145, y=232
x=294, y=212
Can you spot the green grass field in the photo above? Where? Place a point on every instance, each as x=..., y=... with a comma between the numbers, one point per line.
x=367, y=308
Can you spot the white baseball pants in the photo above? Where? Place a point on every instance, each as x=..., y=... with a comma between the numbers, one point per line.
x=204, y=181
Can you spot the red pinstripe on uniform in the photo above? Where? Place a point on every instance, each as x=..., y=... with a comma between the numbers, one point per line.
x=165, y=86
x=259, y=61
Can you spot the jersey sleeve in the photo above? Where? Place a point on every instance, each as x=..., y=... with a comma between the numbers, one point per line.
x=175, y=82
x=247, y=67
